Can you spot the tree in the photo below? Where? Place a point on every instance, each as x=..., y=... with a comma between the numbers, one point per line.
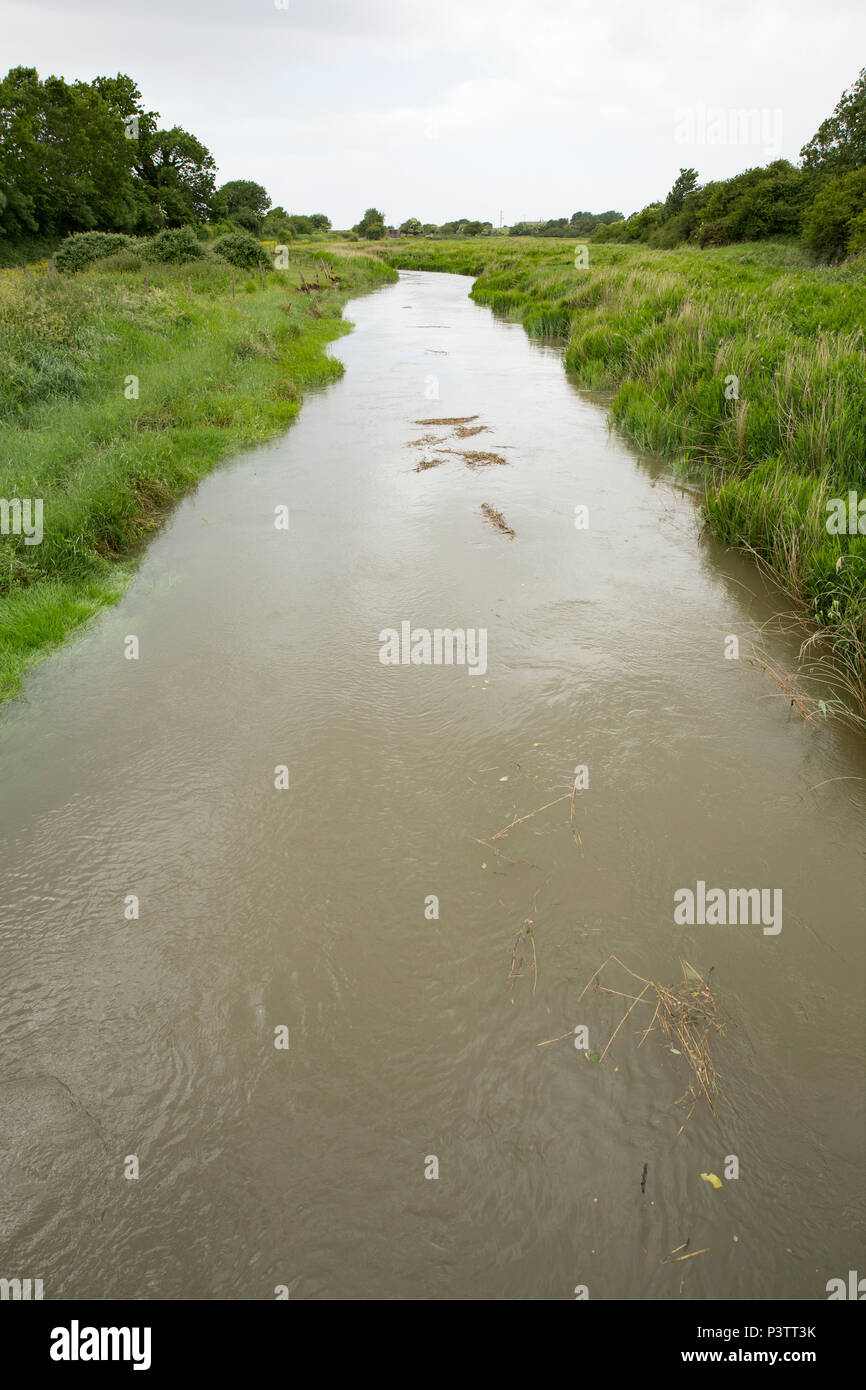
x=178, y=173
x=320, y=222
x=371, y=225
x=411, y=227
x=839, y=143
x=685, y=183
x=64, y=158
x=240, y=194
x=276, y=224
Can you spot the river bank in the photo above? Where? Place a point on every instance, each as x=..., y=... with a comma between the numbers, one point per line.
x=744, y=364
x=121, y=389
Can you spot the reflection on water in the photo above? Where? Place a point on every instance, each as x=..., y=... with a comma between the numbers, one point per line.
x=312, y=909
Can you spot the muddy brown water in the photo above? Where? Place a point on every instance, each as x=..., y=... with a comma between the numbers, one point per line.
x=304, y=908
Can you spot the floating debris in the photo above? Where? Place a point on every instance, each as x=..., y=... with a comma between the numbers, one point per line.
x=674, y=1258
x=643, y=1178
x=687, y=1011
x=497, y=520
x=427, y=463
x=517, y=961
x=448, y=420
x=424, y=442
x=466, y=431
x=478, y=458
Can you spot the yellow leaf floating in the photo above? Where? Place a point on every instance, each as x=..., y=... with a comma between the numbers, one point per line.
x=711, y=1177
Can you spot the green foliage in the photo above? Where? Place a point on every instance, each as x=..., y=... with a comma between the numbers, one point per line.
x=65, y=162
x=81, y=249
x=176, y=172
x=767, y=202
x=87, y=156
x=371, y=225
x=836, y=222
x=247, y=220
x=275, y=226
x=462, y=228
x=241, y=195
x=411, y=227
x=685, y=183
x=242, y=250
x=174, y=246
x=585, y=223
x=839, y=145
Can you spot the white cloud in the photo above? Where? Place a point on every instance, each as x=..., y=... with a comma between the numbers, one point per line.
x=443, y=108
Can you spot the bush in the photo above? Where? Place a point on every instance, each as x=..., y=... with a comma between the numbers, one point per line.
x=122, y=260
x=173, y=246
x=246, y=219
x=713, y=233
x=834, y=224
x=242, y=250
x=83, y=248
x=674, y=231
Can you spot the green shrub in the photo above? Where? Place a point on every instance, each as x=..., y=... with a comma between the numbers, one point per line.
x=83, y=248
x=122, y=260
x=246, y=220
x=713, y=234
x=173, y=246
x=834, y=222
x=241, y=249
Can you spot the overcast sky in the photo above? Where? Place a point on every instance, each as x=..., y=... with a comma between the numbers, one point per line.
x=463, y=108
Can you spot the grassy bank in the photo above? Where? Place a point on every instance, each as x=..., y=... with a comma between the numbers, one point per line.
x=746, y=363
x=214, y=373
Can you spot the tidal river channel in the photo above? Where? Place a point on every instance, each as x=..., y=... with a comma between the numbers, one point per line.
x=317, y=1042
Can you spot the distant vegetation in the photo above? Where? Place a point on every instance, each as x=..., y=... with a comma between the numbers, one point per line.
x=823, y=200
x=87, y=157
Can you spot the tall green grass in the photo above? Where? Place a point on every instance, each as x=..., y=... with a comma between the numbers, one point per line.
x=215, y=373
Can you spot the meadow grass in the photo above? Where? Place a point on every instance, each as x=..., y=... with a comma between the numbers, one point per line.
x=746, y=364
x=215, y=374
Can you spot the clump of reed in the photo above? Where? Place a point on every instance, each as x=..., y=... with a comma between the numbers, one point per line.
x=497, y=520
x=686, y=1013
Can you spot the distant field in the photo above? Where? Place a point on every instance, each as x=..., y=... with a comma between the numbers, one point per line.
x=746, y=363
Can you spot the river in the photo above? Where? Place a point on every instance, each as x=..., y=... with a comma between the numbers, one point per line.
x=307, y=1044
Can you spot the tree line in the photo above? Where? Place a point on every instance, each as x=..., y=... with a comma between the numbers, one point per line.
x=822, y=199
x=88, y=156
